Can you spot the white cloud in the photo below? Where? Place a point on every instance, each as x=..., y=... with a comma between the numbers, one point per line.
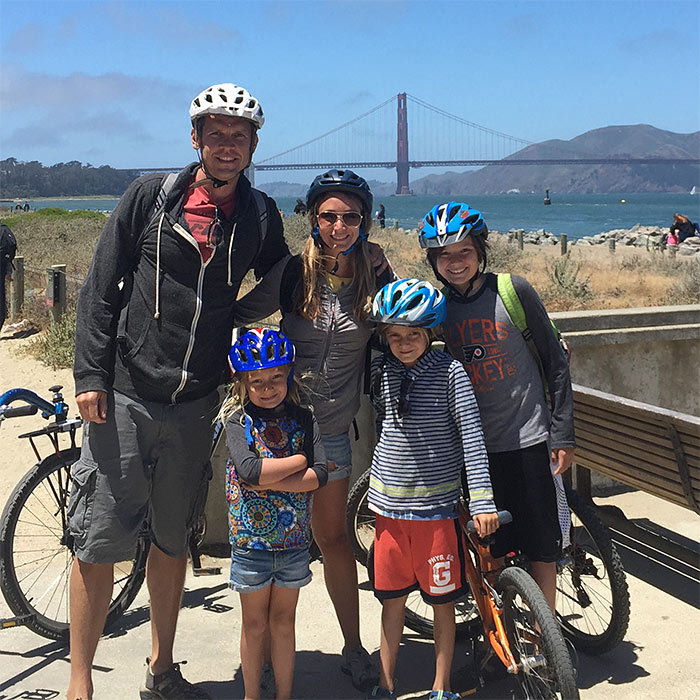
x=23, y=90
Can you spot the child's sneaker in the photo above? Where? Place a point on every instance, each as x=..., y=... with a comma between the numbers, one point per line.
x=378, y=692
x=358, y=665
x=443, y=695
x=170, y=685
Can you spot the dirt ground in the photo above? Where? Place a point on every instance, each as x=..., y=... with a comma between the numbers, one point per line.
x=657, y=659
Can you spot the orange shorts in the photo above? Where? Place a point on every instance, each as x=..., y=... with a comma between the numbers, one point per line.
x=425, y=555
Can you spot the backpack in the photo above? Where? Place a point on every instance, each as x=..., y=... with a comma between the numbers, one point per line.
x=8, y=246
x=515, y=310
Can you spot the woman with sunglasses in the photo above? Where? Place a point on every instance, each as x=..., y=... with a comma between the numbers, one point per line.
x=325, y=296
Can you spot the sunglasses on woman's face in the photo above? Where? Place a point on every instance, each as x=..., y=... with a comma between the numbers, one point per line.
x=351, y=219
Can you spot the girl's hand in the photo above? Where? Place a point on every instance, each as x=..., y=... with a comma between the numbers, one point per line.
x=485, y=523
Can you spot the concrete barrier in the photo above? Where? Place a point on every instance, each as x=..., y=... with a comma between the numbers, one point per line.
x=648, y=354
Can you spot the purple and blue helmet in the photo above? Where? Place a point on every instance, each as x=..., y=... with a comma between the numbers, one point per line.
x=260, y=348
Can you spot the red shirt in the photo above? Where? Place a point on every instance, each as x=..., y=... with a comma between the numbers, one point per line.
x=200, y=212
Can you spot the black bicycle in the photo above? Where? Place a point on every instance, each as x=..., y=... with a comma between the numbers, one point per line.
x=593, y=605
x=36, y=547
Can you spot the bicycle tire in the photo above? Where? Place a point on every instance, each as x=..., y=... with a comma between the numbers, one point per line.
x=545, y=667
x=36, y=555
x=360, y=519
x=593, y=603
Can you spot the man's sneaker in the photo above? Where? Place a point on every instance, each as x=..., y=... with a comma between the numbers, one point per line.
x=443, y=695
x=358, y=664
x=170, y=685
x=378, y=692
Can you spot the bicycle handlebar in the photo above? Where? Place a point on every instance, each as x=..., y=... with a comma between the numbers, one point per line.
x=504, y=517
x=57, y=409
x=20, y=411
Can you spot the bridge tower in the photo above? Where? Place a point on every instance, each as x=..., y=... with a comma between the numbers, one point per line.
x=402, y=166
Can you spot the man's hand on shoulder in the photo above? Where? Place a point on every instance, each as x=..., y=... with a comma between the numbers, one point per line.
x=377, y=258
x=92, y=406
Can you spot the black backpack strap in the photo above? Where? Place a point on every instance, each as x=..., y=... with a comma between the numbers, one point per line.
x=166, y=187
x=261, y=209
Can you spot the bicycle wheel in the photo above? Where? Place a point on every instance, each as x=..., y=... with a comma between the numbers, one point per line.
x=545, y=668
x=593, y=603
x=360, y=519
x=37, y=555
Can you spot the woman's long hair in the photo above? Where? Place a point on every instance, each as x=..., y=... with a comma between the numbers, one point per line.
x=313, y=275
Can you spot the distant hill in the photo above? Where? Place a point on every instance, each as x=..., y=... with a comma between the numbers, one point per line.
x=636, y=141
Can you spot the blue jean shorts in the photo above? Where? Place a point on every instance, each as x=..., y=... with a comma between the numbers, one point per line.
x=255, y=569
x=338, y=451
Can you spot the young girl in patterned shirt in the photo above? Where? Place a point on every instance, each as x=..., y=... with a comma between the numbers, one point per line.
x=277, y=461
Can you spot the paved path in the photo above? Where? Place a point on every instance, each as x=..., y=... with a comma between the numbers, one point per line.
x=658, y=659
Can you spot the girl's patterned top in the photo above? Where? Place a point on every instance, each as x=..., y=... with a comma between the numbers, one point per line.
x=260, y=518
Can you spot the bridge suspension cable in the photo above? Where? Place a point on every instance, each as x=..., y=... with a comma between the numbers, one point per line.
x=466, y=122
x=328, y=133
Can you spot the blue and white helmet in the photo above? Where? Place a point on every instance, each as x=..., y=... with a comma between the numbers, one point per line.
x=450, y=223
x=260, y=348
x=409, y=302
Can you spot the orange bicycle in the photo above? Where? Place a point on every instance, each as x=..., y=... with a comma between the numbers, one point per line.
x=518, y=626
x=512, y=621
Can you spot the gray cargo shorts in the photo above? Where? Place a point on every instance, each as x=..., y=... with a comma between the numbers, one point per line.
x=148, y=463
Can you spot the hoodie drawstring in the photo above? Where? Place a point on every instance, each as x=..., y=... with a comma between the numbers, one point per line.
x=156, y=313
x=230, y=248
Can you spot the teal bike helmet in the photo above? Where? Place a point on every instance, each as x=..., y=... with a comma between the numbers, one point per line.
x=409, y=302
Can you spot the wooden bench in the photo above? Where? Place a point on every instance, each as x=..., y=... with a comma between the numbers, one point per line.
x=649, y=448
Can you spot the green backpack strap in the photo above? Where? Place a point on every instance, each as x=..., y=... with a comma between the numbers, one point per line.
x=512, y=302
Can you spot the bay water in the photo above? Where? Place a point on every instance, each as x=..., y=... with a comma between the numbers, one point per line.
x=576, y=215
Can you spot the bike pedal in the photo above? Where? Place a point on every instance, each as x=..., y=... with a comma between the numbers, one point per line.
x=206, y=570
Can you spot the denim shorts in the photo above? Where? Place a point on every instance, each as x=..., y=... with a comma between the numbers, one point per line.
x=338, y=450
x=254, y=569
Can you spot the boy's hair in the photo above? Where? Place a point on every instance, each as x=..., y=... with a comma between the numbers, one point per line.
x=236, y=396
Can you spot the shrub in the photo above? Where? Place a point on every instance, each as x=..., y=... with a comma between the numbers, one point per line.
x=504, y=256
x=686, y=288
x=566, y=290
x=56, y=347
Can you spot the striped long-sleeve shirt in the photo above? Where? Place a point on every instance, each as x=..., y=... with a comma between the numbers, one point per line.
x=419, y=459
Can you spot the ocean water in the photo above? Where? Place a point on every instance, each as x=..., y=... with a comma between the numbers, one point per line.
x=576, y=215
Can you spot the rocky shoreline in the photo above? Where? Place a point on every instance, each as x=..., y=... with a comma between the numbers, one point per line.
x=648, y=237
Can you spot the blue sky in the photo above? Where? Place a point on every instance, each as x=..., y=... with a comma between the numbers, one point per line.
x=111, y=82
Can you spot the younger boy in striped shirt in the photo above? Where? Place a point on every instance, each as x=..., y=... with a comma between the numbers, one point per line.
x=430, y=434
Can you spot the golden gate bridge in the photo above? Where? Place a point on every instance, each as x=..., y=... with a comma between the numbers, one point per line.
x=377, y=139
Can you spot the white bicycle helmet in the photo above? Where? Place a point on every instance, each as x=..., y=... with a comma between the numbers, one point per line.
x=409, y=302
x=227, y=99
